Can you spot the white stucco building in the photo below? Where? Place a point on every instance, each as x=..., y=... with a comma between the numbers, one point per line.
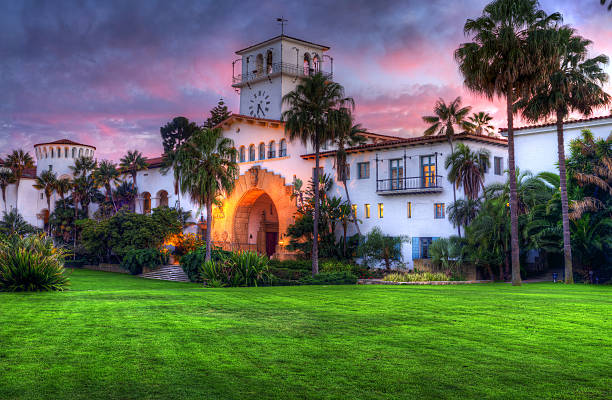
x=398, y=184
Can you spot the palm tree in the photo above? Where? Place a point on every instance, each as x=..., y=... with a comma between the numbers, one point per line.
x=463, y=211
x=83, y=165
x=62, y=187
x=603, y=3
x=124, y=194
x=6, y=178
x=18, y=161
x=480, y=124
x=510, y=53
x=574, y=85
x=105, y=175
x=207, y=170
x=344, y=133
x=46, y=182
x=307, y=119
x=466, y=168
x=131, y=163
x=443, y=122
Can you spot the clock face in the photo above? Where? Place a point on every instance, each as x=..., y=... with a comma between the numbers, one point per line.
x=259, y=104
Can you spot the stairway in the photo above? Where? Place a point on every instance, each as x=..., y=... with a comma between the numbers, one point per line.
x=167, y=273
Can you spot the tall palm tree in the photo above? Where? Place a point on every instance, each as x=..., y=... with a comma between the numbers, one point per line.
x=480, y=124
x=207, y=170
x=83, y=165
x=131, y=164
x=63, y=187
x=6, y=178
x=463, y=211
x=18, y=161
x=344, y=133
x=307, y=120
x=104, y=175
x=46, y=182
x=575, y=84
x=446, y=117
x=124, y=194
x=467, y=168
x=509, y=53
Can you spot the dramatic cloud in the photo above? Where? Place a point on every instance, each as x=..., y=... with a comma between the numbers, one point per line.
x=110, y=73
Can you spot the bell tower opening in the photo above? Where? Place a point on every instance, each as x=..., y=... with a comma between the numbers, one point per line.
x=256, y=223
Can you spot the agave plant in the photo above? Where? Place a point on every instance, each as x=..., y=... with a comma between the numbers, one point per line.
x=31, y=264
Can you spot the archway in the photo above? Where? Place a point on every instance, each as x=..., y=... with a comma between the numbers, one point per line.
x=256, y=223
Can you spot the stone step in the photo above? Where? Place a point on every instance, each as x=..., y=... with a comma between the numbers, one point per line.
x=167, y=273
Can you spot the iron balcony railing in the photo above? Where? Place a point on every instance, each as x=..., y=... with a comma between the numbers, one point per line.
x=285, y=68
x=415, y=183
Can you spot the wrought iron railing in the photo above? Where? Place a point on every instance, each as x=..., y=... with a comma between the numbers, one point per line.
x=285, y=68
x=409, y=183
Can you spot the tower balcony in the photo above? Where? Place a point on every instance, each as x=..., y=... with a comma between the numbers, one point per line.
x=274, y=70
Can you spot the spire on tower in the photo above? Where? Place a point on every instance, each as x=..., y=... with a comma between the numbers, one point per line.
x=282, y=21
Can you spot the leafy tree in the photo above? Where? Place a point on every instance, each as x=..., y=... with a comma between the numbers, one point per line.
x=18, y=161
x=466, y=169
x=176, y=132
x=104, y=175
x=307, y=120
x=62, y=220
x=131, y=164
x=510, y=53
x=592, y=242
x=207, y=169
x=575, y=84
x=6, y=178
x=480, y=124
x=47, y=182
x=380, y=248
x=217, y=115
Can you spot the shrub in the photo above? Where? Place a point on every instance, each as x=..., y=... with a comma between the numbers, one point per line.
x=184, y=243
x=245, y=268
x=31, y=264
x=378, y=248
x=193, y=261
x=336, y=266
x=137, y=259
x=416, y=277
x=331, y=278
x=292, y=264
x=289, y=274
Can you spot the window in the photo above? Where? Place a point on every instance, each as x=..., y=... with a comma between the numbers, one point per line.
x=262, y=151
x=269, y=62
x=66, y=152
x=428, y=171
x=242, y=154
x=380, y=210
x=272, y=150
x=409, y=209
x=396, y=173
x=438, y=210
x=484, y=163
x=259, y=64
x=163, y=199
x=306, y=64
x=363, y=170
x=146, y=203
x=52, y=151
x=354, y=208
x=282, y=151
x=347, y=172
x=74, y=152
x=420, y=247
x=50, y=167
x=59, y=152
x=366, y=210
x=252, y=152
x=497, y=165
x=80, y=153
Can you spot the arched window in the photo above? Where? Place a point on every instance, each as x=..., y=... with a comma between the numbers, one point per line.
x=146, y=203
x=162, y=198
x=269, y=62
x=80, y=152
x=59, y=152
x=272, y=150
x=306, y=64
x=262, y=150
x=316, y=63
x=66, y=152
x=74, y=152
x=252, y=152
x=46, y=154
x=259, y=64
x=51, y=152
x=282, y=150
x=242, y=154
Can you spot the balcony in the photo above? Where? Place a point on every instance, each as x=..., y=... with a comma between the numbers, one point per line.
x=275, y=69
x=415, y=184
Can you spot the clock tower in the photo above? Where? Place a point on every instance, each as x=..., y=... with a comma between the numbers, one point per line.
x=269, y=70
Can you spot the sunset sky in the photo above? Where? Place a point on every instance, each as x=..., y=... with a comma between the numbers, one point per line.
x=110, y=73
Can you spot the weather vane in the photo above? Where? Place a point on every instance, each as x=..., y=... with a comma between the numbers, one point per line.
x=282, y=22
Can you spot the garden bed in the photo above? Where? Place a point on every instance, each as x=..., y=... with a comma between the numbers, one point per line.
x=383, y=282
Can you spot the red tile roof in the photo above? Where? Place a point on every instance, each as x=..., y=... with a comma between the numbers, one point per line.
x=412, y=142
x=574, y=121
x=65, y=141
x=155, y=162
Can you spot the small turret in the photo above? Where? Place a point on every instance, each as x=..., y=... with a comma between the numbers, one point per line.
x=59, y=156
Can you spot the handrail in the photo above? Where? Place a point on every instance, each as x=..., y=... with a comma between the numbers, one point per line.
x=408, y=183
x=286, y=68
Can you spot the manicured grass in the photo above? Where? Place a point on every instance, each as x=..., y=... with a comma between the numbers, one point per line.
x=114, y=336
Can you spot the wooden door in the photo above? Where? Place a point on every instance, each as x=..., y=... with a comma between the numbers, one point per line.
x=271, y=240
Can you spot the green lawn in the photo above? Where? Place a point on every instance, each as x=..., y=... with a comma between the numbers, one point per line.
x=114, y=336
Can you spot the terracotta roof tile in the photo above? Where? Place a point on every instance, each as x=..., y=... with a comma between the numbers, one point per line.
x=64, y=141
x=574, y=121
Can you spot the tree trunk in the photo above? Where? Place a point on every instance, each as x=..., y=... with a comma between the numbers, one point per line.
x=17, y=194
x=490, y=272
x=567, y=246
x=514, y=233
x=208, y=229
x=49, y=210
x=4, y=199
x=450, y=142
x=315, y=227
x=135, y=189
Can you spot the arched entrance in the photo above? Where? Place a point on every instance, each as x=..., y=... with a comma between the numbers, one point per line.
x=256, y=223
x=256, y=214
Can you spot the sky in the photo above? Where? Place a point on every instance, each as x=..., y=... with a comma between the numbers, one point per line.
x=110, y=73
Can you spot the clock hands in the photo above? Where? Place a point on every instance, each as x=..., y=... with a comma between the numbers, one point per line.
x=259, y=109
